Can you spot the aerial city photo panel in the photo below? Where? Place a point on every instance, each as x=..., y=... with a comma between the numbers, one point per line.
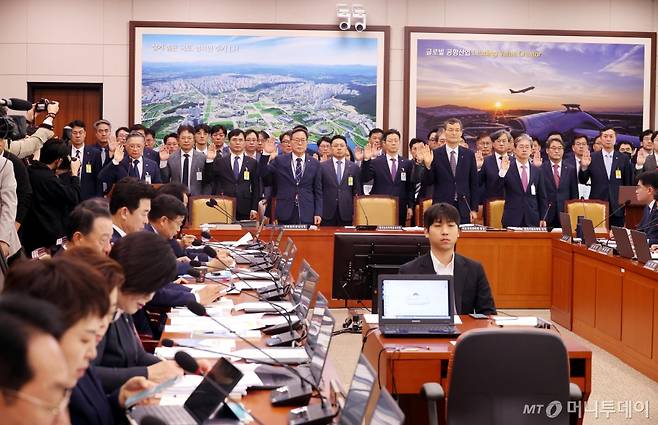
x=531, y=83
x=265, y=79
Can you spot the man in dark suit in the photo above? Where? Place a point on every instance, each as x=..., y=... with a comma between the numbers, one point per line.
x=340, y=183
x=471, y=288
x=91, y=161
x=390, y=174
x=185, y=165
x=421, y=190
x=53, y=199
x=129, y=205
x=647, y=194
x=295, y=180
x=149, y=146
x=234, y=174
x=104, y=142
x=608, y=169
x=523, y=183
x=453, y=173
x=560, y=179
x=132, y=165
x=488, y=171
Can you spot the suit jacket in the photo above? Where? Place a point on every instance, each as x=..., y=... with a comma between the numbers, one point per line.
x=90, y=405
x=8, y=206
x=418, y=172
x=245, y=189
x=152, y=154
x=649, y=224
x=90, y=187
x=121, y=355
x=285, y=189
x=471, y=287
x=53, y=199
x=488, y=176
x=173, y=170
x=23, y=186
x=523, y=208
x=604, y=187
x=557, y=196
x=649, y=164
x=102, y=149
x=339, y=198
x=112, y=173
x=464, y=183
x=379, y=172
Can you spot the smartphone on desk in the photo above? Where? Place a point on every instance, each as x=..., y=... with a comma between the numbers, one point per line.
x=143, y=395
x=479, y=316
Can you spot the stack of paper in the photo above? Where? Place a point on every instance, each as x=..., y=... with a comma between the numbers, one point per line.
x=515, y=321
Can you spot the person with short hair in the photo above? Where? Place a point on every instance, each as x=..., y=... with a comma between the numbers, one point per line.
x=324, y=148
x=185, y=165
x=560, y=181
x=150, y=151
x=488, y=171
x=129, y=205
x=201, y=133
x=90, y=225
x=170, y=142
x=218, y=137
x=580, y=145
x=53, y=198
x=646, y=192
x=646, y=157
x=90, y=161
x=132, y=165
x=340, y=184
x=472, y=293
x=626, y=148
x=103, y=134
x=251, y=144
x=421, y=190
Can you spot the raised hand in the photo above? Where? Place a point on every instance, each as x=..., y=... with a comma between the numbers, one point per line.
x=164, y=153
x=269, y=146
x=317, y=220
x=586, y=160
x=112, y=143
x=641, y=157
x=358, y=153
x=212, y=152
x=479, y=159
x=367, y=152
x=75, y=166
x=504, y=163
x=473, y=216
x=536, y=159
x=119, y=153
x=428, y=156
x=53, y=107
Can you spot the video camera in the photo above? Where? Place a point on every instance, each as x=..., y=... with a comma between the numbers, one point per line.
x=13, y=127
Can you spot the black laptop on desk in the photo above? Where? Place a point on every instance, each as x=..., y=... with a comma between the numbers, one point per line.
x=565, y=224
x=416, y=305
x=589, y=236
x=623, y=242
x=642, y=249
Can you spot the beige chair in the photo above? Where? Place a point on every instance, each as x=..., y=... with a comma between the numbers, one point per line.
x=495, y=209
x=379, y=210
x=420, y=210
x=592, y=209
x=201, y=213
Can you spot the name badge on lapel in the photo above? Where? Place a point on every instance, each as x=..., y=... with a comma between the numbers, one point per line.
x=350, y=181
x=199, y=176
x=618, y=174
x=88, y=169
x=533, y=190
x=403, y=176
x=246, y=174
x=147, y=178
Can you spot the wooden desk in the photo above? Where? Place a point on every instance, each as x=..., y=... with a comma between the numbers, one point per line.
x=426, y=359
x=610, y=301
x=518, y=265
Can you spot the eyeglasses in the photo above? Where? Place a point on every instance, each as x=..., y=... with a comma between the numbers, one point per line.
x=556, y=148
x=52, y=410
x=299, y=140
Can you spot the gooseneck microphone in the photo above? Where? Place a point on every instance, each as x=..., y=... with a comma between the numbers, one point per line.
x=622, y=206
x=548, y=208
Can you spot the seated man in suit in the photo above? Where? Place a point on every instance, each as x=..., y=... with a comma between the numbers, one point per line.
x=647, y=194
x=523, y=183
x=132, y=165
x=471, y=287
x=235, y=175
x=90, y=225
x=390, y=174
x=129, y=205
x=186, y=164
x=91, y=163
x=340, y=183
x=561, y=181
x=295, y=180
x=608, y=170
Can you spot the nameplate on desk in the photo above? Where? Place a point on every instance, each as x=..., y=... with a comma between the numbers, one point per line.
x=566, y=238
x=606, y=250
x=595, y=247
x=651, y=265
x=473, y=228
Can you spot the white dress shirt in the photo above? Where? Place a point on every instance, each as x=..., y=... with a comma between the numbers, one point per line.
x=441, y=269
x=294, y=163
x=456, y=151
x=390, y=163
x=119, y=230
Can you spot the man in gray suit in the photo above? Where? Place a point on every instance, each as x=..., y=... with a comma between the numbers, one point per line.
x=186, y=164
x=646, y=161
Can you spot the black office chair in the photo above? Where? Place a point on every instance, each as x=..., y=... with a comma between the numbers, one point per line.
x=502, y=376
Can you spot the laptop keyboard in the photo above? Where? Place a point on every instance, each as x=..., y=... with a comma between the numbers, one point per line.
x=412, y=329
x=172, y=415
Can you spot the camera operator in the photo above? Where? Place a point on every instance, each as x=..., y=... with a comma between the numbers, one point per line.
x=26, y=146
x=23, y=187
x=9, y=243
x=54, y=197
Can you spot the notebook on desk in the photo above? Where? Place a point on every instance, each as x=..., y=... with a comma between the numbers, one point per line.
x=416, y=305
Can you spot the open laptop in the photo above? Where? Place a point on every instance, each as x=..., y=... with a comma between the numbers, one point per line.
x=623, y=242
x=387, y=411
x=358, y=396
x=565, y=224
x=589, y=237
x=642, y=249
x=203, y=404
x=416, y=305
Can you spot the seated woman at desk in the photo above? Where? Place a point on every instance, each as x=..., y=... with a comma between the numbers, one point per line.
x=471, y=287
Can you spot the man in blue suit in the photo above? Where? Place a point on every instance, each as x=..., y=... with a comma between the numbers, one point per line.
x=607, y=169
x=453, y=173
x=525, y=196
x=560, y=179
x=340, y=183
x=129, y=205
x=133, y=165
x=647, y=194
x=488, y=172
x=390, y=173
x=296, y=181
x=91, y=163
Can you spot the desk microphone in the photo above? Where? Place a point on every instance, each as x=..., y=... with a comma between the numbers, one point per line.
x=190, y=365
x=468, y=205
x=206, y=249
x=548, y=208
x=288, y=395
x=212, y=203
x=622, y=206
x=152, y=420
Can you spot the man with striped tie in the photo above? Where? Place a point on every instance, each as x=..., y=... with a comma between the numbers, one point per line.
x=340, y=183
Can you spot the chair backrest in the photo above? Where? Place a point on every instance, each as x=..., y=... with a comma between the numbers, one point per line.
x=501, y=376
x=201, y=213
x=495, y=209
x=423, y=206
x=592, y=209
x=376, y=209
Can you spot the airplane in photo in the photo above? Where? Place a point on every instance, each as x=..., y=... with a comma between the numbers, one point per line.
x=527, y=89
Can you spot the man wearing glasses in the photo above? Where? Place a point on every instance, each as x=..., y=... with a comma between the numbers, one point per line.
x=560, y=181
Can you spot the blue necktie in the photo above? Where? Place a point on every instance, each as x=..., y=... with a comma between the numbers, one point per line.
x=298, y=171
x=339, y=171
x=236, y=167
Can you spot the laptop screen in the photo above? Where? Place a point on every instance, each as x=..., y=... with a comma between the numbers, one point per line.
x=206, y=399
x=321, y=348
x=415, y=298
x=358, y=396
x=387, y=411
